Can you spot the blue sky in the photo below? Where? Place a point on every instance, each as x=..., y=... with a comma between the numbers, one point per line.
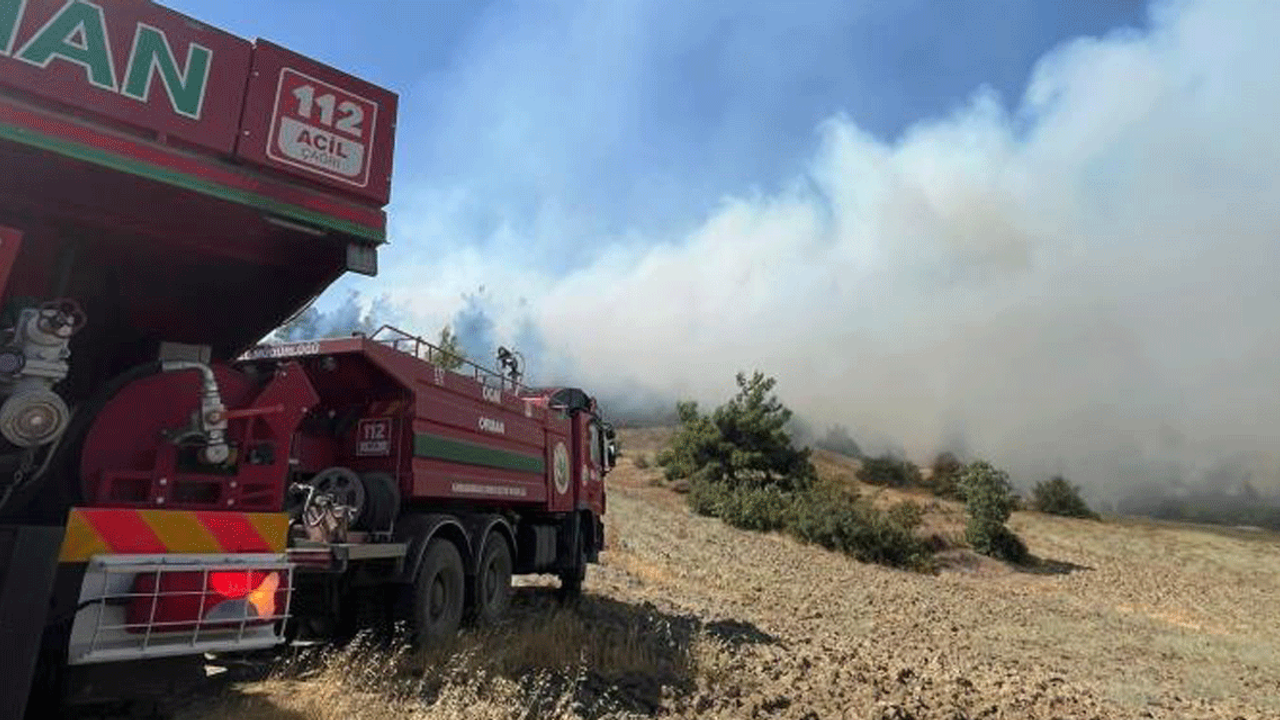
x=569, y=122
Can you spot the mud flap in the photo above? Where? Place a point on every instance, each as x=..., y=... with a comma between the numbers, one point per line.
x=28, y=563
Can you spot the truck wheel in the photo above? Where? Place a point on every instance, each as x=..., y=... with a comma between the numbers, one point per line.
x=439, y=594
x=493, y=580
x=382, y=501
x=571, y=579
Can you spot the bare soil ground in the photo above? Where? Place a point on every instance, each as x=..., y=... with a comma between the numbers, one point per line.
x=686, y=617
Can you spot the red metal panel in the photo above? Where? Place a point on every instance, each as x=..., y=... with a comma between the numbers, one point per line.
x=486, y=422
x=313, y=121
x=150, y=161
x=126, y=462
x=10, y=243
x=135, y=62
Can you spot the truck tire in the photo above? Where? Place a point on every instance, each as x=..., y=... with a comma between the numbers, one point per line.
x=571, y=579
x=382, y=502
x=439, y=594
x=493, y=580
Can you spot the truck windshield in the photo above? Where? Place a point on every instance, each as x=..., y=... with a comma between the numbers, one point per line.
x=593, y=436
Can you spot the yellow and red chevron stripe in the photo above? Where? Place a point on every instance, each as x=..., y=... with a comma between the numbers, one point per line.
x=109, y=531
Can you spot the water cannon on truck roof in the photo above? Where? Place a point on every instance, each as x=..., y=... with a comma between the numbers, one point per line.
x=168, y=488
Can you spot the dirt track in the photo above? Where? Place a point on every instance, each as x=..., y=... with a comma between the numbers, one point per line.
x=687, y=617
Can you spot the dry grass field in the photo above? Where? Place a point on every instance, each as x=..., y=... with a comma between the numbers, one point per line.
x=687, y=617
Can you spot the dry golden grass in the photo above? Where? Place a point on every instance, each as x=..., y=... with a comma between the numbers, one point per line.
x=641, y=441
x=596, y=658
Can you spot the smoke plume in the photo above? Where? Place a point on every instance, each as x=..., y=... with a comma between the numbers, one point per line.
x=1082, y=281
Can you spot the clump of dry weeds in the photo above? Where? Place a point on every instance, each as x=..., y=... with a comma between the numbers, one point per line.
x=594, y=659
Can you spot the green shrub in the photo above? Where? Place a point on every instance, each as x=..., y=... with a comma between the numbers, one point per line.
x=838, y=440
x=833, y=518
x=740, y=466
x=1001, y=542
x=642, y=462
x=1056, y=496
x=842, y=521
x=906, y=514
x=944, y=476
x=706, y=498
x=989, y=501
x=761, y=509
x=889, y=471
x=743, y=443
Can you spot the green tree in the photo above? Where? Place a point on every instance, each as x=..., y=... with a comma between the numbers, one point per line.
x=1056, y=496
x=347, y=318
x=743, y=444
x=889, y=471
x=989, y=501
x=742, y=466
x=303, y=326
x=943, y=480
x=839, y=440
x=448, y=354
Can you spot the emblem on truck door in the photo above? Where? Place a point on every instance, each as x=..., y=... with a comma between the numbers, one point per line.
x=561, y=470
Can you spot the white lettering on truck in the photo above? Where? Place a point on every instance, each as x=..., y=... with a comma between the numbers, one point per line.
x=264, y=352
x=494, y=426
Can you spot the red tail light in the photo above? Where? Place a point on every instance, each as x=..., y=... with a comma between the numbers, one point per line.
x=183, y=601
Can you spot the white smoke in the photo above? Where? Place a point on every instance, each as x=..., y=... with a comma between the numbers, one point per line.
x=1085, y=282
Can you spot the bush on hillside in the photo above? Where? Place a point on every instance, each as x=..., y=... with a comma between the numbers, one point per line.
x=840, y=520
x=1056, y=496
x=906, y=514
x=741, y=467
x=889, y=471
x=742, y=444
x=830, y=517
x=838, y=440
x=762, y=509
x=944, y=476
x=989, y=501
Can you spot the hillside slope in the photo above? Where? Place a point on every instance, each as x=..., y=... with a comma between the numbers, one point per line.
x=687, y=617
x=1123, y=619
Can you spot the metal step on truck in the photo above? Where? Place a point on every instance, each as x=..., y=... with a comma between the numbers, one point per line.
x=169, y=194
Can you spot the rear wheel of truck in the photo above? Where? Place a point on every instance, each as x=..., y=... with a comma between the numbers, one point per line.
x=493, y=580
x=439, y=594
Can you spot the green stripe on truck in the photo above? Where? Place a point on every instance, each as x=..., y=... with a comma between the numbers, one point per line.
x=435, y=447
x=97, y=156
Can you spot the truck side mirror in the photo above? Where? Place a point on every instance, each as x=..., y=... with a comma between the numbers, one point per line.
x=612, y=453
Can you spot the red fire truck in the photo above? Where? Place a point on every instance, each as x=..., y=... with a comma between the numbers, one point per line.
x=169, y=194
